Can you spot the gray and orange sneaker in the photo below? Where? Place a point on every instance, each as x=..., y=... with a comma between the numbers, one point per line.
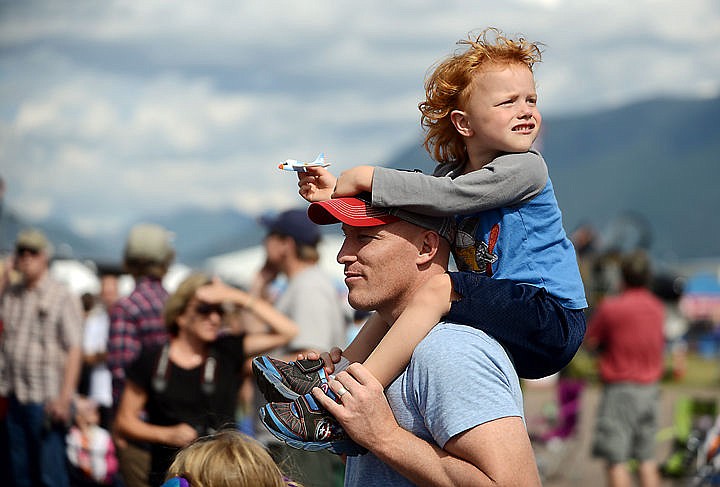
x=286, y=381
x=305, y=425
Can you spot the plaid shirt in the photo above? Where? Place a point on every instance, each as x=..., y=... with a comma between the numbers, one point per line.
x=40, y=325
x=136, y=321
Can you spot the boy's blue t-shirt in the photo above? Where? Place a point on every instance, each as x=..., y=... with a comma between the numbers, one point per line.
x=525, y=243
x=435, y=402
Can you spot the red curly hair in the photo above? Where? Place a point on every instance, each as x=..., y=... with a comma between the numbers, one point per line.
x=450, y=85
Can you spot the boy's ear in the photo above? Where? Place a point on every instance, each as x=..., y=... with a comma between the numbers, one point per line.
x=461, y=122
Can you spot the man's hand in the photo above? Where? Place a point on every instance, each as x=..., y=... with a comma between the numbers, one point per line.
x=59, y=410
x=363, y=411
x=316, y=184
x=354, y=181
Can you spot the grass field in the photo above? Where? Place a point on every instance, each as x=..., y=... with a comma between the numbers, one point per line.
x=700, y=371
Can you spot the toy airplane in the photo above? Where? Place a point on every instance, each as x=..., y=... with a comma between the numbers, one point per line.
x=298, y=166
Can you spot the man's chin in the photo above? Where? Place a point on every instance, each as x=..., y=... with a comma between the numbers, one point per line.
x=360, y=304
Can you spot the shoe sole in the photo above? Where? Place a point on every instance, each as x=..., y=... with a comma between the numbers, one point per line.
x=339, y=447
x=270, y=382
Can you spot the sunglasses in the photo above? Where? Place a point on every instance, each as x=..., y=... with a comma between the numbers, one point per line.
x=21, y=251
x=206, y=309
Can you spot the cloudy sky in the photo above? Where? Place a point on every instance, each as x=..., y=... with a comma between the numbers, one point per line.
x=112, y=110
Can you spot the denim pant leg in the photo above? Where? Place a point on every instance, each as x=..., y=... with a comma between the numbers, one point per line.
x=53, y=459
x=24, y=423
x=37, y=456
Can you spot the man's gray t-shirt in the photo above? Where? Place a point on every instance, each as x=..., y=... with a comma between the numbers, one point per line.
x=312, y=301
x=459, y=377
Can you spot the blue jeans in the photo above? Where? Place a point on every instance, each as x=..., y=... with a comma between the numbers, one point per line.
x=37, y=450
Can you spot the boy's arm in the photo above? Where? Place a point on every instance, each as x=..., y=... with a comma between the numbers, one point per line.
x=508, y=180
x=367, y=339
x=429, y=304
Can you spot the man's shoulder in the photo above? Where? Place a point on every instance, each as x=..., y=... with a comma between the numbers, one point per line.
x=54, y=285
x=453, y=339
x=143, y=297
x=57, y=291
x=123, y=303
x=446, y=329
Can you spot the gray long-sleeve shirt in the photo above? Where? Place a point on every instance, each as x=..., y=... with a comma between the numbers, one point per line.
x=508, y=180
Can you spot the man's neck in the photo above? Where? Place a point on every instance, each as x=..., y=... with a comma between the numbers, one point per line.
x=392, y=311
x=33, y=282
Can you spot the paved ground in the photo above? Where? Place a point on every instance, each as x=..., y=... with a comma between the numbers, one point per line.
x=573, y=464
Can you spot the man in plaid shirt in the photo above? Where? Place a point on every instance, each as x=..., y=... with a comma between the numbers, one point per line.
x=40, y=361
x=136, y=321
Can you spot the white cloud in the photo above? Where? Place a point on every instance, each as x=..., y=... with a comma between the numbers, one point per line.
x=109, y=110
x=37, y=207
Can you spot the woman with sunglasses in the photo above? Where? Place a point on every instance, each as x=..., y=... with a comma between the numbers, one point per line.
x=189, y=387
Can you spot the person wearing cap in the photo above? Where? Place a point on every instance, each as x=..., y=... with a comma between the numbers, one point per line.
x=136, y=322
x=40, y=362
x=313, y=302
x=439, y=422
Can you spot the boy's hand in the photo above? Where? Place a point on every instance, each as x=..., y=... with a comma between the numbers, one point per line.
x=329, y=358
x=316, y=184
x=354, y=181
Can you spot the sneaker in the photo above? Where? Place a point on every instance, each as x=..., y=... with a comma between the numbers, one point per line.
x=286, y=381
x=305, y=425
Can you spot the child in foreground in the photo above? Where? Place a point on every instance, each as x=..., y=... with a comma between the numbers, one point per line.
x=227, y=458
x=518, y=280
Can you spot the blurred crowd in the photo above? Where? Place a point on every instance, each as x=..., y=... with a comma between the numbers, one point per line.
x=106, y=388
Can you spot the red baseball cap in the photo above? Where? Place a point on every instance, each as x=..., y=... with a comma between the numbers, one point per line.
x=353, y=211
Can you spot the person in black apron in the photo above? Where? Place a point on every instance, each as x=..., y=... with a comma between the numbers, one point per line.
x=188, y=387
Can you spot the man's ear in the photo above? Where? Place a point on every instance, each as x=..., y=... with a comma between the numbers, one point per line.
x=429, y=247
x=461, y=122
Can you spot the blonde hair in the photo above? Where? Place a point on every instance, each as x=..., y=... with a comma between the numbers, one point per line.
x=226, y=459
x=449, y=87
x=178, y=301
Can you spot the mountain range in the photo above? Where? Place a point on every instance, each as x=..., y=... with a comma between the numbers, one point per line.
x=643, y=174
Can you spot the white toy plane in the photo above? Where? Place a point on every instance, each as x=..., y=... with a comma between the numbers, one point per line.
x=299, y=166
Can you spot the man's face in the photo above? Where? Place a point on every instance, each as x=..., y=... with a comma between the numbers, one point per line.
x=31, y=263
x=108, y=290
x=380, y=264
x=276, y=247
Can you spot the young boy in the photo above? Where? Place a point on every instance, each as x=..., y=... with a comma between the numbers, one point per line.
x=518, y=278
